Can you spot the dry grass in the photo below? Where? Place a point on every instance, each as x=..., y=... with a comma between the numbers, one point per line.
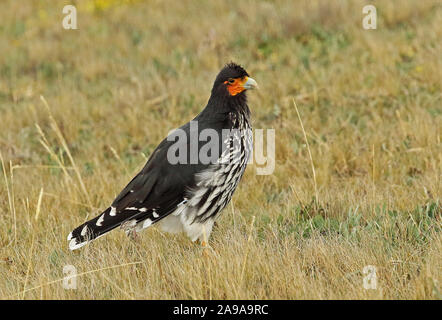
x=370, y=103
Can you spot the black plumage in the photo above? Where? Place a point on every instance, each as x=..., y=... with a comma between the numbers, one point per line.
x=186, y=196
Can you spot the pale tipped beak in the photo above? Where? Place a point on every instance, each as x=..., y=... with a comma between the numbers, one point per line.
x=250, y=84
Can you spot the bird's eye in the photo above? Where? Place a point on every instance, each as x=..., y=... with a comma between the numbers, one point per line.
x=231, y=80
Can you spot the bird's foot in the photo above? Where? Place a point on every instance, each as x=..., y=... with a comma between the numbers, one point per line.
x=207, y=249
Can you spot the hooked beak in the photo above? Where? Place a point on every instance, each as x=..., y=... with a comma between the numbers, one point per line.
x=250, y=84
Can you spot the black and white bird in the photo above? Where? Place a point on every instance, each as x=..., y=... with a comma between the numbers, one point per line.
x=188, y=194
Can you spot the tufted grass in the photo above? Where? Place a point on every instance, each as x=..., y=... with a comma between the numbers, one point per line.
x=81, y=110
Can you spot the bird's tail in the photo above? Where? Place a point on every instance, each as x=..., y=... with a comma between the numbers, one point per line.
x=93, y=229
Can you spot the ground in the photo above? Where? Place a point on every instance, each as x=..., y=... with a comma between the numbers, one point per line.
x=81, y=110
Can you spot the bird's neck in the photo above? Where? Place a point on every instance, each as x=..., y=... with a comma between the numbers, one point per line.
x=221, y=106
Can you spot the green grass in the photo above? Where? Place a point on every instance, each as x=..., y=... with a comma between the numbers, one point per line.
x=369, y=101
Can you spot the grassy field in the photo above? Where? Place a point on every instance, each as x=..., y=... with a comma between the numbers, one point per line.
x=369, y=100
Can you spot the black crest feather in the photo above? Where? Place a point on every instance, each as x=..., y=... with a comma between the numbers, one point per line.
x=236, y=67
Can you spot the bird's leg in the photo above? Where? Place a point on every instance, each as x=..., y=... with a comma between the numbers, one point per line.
x=207, y=249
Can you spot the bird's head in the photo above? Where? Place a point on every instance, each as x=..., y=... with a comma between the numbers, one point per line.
x=233, y=80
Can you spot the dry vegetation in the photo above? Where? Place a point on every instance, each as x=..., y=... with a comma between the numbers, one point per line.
x=370, y=102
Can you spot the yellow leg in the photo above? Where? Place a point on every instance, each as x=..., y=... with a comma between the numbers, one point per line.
x=206, y=248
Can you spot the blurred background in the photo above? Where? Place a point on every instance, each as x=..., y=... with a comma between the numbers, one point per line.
x=370, y=102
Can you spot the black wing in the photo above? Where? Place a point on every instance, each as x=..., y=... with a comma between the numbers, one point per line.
x=151, y=195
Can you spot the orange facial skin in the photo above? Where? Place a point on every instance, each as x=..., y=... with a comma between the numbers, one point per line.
x=236, y=86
